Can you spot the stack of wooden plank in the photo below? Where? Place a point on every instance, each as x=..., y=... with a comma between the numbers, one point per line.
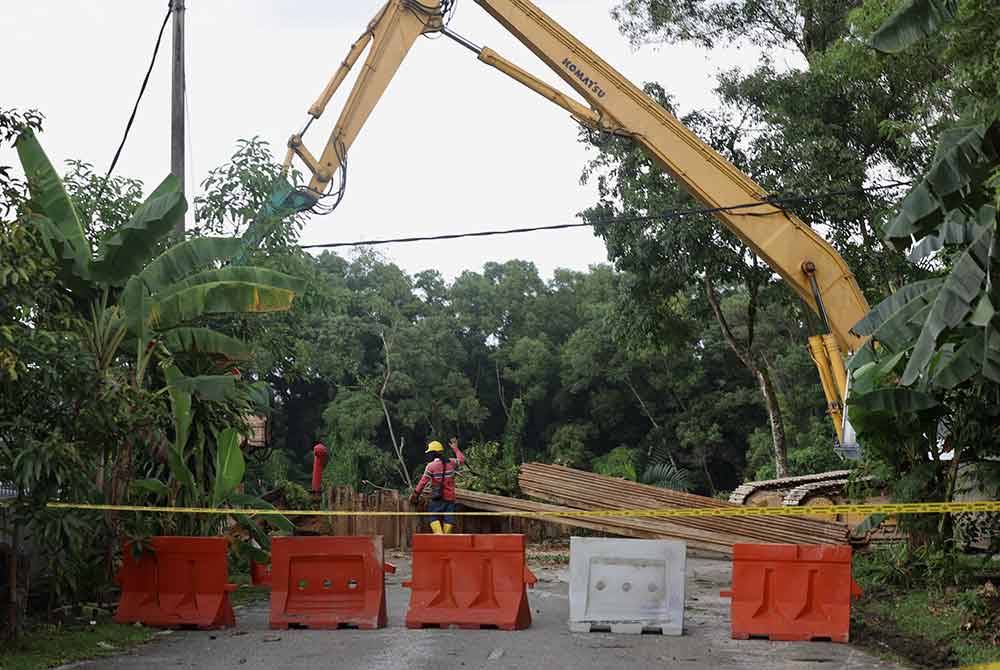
x=575, y=489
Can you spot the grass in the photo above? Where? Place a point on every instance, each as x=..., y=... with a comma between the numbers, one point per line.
x=930, y=606
x=549, y=558
x=930, y=628
x=48, y=646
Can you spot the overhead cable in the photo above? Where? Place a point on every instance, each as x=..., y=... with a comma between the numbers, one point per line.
x=776, y=201
x=142, y=91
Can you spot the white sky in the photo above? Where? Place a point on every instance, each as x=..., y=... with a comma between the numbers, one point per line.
x=453, y=146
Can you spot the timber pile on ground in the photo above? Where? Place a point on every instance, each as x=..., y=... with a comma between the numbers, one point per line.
x=487, y=502
x=575, y=489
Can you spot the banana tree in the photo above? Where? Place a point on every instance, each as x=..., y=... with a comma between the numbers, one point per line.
x=928, y=381
x=145, y=298
x=947, y=328
x=160, y=295
x=213, y=482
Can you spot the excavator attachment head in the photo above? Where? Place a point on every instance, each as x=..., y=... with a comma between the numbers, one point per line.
x=285, y=201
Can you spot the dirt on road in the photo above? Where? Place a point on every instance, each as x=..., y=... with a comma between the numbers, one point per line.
x=705, y=644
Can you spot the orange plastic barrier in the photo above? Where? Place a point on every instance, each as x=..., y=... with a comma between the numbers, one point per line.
x=328, y=582
x=469, y=581
x=183, y=582
x=791, y=592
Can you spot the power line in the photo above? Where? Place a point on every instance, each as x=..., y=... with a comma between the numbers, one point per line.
x=777, y=201
x=142, y=90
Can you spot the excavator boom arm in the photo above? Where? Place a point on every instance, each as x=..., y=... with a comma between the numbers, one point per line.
x=782, y=240
x=798, y=254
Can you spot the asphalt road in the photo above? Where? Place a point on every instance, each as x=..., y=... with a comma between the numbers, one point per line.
x=705, y=644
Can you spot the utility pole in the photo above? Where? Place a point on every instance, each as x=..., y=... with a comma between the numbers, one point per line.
x=177, y=103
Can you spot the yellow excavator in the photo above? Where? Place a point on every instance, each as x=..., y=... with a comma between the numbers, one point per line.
x=615, y=105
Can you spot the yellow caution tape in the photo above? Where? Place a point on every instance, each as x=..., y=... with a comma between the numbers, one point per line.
x=892, y=509
x=982, y=666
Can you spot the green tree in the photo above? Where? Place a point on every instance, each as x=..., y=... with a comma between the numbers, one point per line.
x=236, y=195
x=489, y=469
x=619, y=462
x=569, y=444
x=47, y=401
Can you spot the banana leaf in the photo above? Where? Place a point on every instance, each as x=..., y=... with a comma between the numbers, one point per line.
x=889, y=321
x=210, y=387
x=984, y=312
x=912, y=21
x=259, y=394
x=49, y=198
x=991, y=355
x=862, y=357
x=229, y=465
x=129, y=250
x=154, y=486
x=242, y=273
x=134, y=304
x=958, y=228
x=952, y=304
x=964, y=158
x=868, y=376
x=895, y=401
x=217, y=298
x=180, y=472
x=195, y=340
x=956, y=366
x=250, y=502
x=185, y=258
x=180, y=404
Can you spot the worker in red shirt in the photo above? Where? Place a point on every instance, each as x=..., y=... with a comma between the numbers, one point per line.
x=440, y=474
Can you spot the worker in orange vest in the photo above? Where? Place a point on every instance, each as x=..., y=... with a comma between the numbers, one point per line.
x=440, y=474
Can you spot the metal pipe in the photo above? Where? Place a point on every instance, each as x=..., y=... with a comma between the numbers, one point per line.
x=471, y=46
x=810, y=269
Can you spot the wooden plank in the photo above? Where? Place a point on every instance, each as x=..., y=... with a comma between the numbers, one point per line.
x=641, y=528
x=665, y=497
x=622, y=527
x=750, y=529
x=581, y=497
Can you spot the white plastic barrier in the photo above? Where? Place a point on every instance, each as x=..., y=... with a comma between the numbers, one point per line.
x=626, y=586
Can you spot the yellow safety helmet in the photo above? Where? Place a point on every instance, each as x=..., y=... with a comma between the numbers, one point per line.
x=434, y=446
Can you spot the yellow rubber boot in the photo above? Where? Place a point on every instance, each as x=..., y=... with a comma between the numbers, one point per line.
x=447, y=528
x=436, y=528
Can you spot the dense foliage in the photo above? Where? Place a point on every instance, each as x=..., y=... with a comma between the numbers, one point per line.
x=93, y=344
